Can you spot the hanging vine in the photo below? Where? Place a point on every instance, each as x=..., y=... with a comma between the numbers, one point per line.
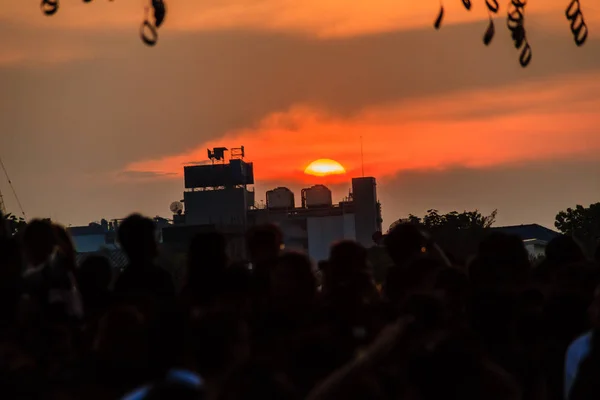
x=515, y=22
x=516, y=25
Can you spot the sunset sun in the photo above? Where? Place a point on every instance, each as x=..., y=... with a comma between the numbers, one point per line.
x=324, y=167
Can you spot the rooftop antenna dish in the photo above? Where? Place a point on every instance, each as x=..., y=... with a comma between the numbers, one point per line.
x=176, y=207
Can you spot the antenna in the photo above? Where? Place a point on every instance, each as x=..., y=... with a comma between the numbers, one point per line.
x=362, y=158
x=13, y=190
x=2, y=207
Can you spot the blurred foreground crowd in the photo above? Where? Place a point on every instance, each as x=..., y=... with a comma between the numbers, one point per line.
x=279, y=327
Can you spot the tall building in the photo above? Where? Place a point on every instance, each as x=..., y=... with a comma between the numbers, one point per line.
x=367, y=215
x=217, y=194
x=217, y=197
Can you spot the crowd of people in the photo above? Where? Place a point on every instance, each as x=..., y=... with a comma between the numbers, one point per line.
x=279, y=327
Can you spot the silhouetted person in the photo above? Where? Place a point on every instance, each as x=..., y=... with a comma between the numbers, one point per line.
x=206, y=264
x=292, y=282
x=121, y=350
x=563, y=250
x=501, y=260
x=582, y=361
x=48, y=277
x=237, y=290
x=137, y=236
x=39, y=241
x=264, y=243
x=403, y=243
x=94, y=277
x=347, y=275
x=455, y=287
x=291, y=301
x=218, y=343
x=11, y=284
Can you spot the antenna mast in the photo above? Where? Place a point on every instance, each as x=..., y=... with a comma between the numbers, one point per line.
x=13, y=190
x=2, y=207
x=362, y=158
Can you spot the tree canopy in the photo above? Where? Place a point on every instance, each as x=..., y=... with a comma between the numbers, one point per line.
x=457, y=233
x=583, y=223
x=433, y=220
x=15, y=224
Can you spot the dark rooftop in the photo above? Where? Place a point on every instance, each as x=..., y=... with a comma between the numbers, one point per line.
x=530, y=231
x=86, y=230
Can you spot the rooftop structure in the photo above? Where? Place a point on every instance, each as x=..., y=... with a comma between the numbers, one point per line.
x=217, y=197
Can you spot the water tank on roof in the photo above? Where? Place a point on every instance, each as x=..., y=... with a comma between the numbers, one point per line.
x=317, y=196
x=280, y=198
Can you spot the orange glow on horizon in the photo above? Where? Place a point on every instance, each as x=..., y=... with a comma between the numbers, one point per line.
x=324, y=167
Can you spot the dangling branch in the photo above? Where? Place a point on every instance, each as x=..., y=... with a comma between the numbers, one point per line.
x=149, y=30
x=493, y=7
x=515, y=21
x=578, y=26
x=516, y=24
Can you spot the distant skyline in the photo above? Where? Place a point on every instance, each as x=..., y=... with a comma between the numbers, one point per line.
x=93, y=124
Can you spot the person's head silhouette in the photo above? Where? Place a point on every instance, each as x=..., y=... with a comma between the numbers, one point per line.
x=264, y=243
x=564, y=250
x=207, y=253
x=39, y=241
x=137, y=236
x=292, y=281
x=403, y=243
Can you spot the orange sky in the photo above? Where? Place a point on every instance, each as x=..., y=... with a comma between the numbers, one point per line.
x=102, y=125
x=422, y=134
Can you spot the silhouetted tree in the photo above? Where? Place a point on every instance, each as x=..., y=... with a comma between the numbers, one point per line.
x=583, y=223
x=433, y=220
x=15, y=224
x=460, y=232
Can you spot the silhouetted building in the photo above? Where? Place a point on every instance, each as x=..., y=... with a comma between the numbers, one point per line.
x=217, y=197
x=534, y=236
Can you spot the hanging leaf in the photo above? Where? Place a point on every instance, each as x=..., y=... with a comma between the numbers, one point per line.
x=572, y=9
x=489, y=33
x=525, y=57
x=159, y=12
x=578, y=27
x=440, y=17
x=49, y=7
x=581, y=35
x=492, y=5
x=518, y=36
x=148, y=33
